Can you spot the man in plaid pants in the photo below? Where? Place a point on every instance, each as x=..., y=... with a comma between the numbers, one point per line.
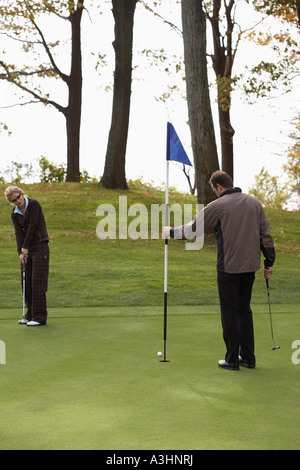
x=32, y=245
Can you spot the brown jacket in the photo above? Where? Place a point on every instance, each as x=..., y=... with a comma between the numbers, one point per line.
x=241, y=228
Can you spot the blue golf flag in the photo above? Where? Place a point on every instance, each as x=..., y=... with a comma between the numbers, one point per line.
x=175, y=150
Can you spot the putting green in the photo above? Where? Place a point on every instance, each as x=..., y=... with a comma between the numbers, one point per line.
x=91, y=379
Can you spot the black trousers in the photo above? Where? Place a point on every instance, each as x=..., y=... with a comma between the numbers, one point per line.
x=235, y=291
x=36, y=282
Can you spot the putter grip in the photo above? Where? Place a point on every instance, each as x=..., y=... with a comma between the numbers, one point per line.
x=267, y=282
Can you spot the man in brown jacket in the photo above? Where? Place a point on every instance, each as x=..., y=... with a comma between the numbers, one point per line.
x=242, y=231
x=32, y=245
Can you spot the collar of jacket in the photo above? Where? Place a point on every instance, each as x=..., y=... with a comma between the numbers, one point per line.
x=18, y=211
x=230, y=191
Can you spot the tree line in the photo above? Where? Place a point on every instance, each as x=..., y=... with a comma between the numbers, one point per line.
x=24, y=22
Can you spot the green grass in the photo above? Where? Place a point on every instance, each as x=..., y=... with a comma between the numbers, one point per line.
x=96, y=383
x=87, y=271
x=91, y=379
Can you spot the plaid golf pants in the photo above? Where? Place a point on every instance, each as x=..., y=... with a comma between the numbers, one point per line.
x=36, y=282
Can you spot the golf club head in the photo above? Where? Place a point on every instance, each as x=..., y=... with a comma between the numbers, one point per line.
x=275, y=347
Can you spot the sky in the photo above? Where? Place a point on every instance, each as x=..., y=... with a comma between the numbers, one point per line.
x=261, y=129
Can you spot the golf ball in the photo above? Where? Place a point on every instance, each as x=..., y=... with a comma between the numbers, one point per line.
x=159, y=354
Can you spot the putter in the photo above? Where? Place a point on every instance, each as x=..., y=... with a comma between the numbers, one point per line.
x=24, y=285
x=276, y=346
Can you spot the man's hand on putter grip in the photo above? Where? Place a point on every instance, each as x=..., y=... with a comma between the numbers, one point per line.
x=268, y=272
x=166, y=232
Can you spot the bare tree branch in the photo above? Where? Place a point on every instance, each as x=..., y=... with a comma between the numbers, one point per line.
x=63, y=76
x=9, y=77
x=19, y=40
x=172, y=25
x=23, y=73
x=20, y=104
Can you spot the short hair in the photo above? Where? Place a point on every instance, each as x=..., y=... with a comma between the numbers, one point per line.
x=10, y=191
x=222, y=178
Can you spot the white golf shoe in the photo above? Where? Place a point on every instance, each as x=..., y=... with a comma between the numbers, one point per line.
x=33, y=323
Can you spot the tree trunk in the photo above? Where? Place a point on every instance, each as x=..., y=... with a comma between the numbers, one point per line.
x=199, y=108
x=73, y=111
x=227, y=133
x=222, y=61
x=114, y=171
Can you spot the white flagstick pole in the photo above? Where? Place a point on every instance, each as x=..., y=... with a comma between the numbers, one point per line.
x=166, y=263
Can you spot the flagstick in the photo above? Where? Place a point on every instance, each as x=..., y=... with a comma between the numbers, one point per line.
x=175, y=152
x=166, y=265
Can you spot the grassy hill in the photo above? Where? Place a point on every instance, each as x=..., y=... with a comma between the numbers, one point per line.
x=88, y=272
x=91, y=379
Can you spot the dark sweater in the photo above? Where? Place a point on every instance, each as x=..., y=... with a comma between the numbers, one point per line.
x=30, y=228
